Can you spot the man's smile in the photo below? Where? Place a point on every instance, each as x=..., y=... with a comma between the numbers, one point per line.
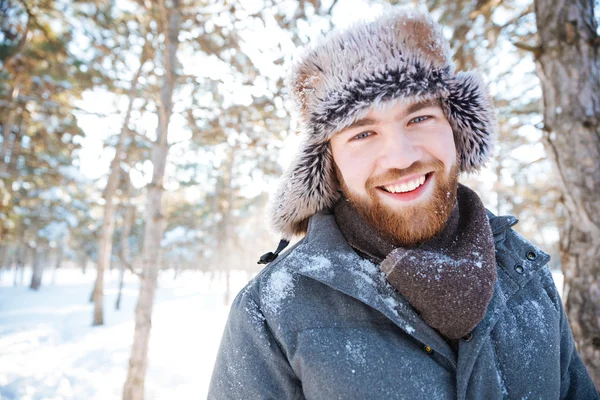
x=405, y=185
x=407, y=189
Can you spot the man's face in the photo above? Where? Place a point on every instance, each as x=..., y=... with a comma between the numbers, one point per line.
x=398, y=167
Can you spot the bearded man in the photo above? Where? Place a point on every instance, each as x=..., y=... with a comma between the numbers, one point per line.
x=404, y=285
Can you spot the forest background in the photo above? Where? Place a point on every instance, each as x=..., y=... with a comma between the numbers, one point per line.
x=145, y=137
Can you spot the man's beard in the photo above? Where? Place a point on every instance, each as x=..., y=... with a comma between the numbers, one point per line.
x=411, y=225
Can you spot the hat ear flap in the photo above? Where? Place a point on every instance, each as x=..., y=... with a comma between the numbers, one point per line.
x=470, y=111
x=308, y=186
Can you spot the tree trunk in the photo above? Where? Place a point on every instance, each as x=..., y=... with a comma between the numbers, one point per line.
x=60, y=252
x=37, y=268
x=22, y=266
x=225, y=230
x=176, y=269
x=124, y=256
x=7, y=126
x=16, y=273
x=7, y=131
x=155, y=221
x=568, y=65
x=227, y=286
x=20, y=254
x=121, y=277
x=108, y=227
x=59, y=258
x=83, y=263
x=3, y=260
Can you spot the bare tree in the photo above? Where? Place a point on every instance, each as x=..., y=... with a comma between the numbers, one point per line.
x=108, y=227
x=37, y=267
x=20, y=260
x=225, y=229
x=568, y=65
x=169, y=21
x=128, y=220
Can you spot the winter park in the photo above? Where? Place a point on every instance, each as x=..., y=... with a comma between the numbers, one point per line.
x=299, y=199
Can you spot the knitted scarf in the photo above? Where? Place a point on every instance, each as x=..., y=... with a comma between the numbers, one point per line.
x=449, y=279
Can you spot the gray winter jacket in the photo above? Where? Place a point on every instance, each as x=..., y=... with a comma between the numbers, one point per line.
x=320, y=322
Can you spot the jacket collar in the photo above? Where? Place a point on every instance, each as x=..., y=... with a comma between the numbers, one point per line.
x=499, y=224
x=357, y=277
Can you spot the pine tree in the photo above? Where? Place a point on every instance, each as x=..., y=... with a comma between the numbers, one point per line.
x=568, y=65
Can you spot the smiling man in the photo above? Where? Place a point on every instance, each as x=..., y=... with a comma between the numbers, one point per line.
x=405, y=183
x=404, y=286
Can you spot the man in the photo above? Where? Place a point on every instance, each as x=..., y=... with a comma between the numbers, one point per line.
x=404, y=286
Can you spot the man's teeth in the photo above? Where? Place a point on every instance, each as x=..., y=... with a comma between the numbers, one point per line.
x=406, y=186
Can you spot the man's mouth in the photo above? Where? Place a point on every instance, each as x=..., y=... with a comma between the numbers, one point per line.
x=407, y=186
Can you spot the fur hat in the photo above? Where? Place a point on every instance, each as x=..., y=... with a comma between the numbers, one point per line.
x=400, y=55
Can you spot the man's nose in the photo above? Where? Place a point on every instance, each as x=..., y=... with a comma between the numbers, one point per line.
x=399, y=151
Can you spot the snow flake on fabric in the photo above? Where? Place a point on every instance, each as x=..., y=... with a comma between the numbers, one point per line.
x=534, y=312
x=256, y=318
x=356, y=353
x=524, y=326
x=501, y=382
x=368, y=274
x=437, y=261
x=360, y=277
x=318, y=264
x=368, y=267
x=279, y=287
x=393, y=305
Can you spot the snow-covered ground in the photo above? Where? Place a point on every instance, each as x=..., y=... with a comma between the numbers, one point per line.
x=49, y=350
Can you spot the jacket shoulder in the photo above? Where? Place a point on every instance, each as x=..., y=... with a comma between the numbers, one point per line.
x=276, y=282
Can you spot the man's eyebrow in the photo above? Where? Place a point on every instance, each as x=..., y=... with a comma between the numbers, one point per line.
x=411, y=109
x=360, y=123
x=421, y=105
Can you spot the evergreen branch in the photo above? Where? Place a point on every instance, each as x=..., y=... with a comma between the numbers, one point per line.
x=36, y=22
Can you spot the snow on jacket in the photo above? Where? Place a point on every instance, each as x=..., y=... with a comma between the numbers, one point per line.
x=321, y=322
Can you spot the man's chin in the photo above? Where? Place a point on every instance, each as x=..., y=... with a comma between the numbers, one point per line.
x=406, y=223
x=407, y=226
x=403, y=225
x=401, y=212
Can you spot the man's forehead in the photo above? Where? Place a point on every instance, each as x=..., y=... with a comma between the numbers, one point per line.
x=404, y=106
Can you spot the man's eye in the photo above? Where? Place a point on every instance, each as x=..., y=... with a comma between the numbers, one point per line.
x=362, y=135
x=416, y=120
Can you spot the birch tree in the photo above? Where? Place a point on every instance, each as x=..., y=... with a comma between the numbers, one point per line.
x=37, y=267
x=108, y=226
x=168, y=20
x=225, y=229
x=124, y=251
x=568, y=65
